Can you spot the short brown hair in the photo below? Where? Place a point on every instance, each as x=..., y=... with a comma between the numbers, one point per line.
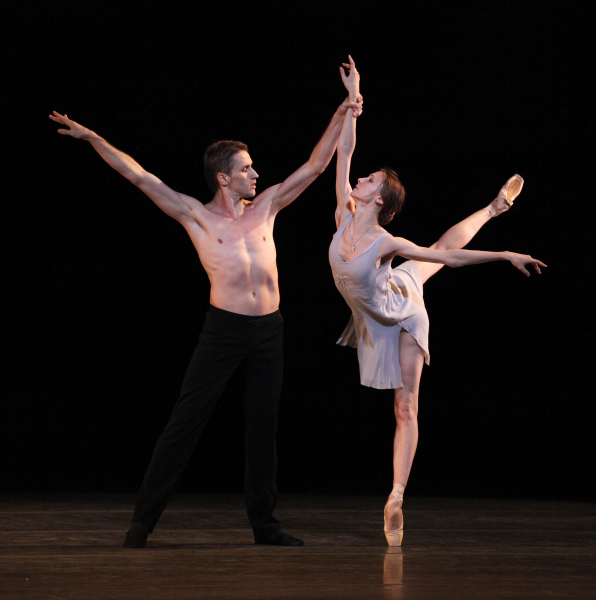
x=219, y=158
x=393, y=195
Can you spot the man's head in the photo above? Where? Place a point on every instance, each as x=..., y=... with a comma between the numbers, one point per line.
x=227, y=162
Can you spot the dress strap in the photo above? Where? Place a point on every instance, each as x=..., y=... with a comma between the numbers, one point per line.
x=344, y=224
x=381, y=237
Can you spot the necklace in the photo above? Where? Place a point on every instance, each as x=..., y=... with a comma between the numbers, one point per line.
x=353, y=246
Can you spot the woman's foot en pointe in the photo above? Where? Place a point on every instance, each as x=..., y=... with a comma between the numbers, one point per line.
x=394, y=521
x=507, y=194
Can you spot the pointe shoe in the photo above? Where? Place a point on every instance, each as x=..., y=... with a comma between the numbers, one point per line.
x=507, y=194
x=394, y=522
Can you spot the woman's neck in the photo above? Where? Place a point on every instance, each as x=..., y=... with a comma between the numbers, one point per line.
x=365, y=217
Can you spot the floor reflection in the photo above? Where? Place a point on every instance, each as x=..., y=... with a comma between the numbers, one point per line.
x=393, y=571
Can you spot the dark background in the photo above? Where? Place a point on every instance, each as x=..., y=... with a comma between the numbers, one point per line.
x=103, y=296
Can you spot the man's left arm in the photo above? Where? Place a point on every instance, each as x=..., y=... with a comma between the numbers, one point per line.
x=286, y=192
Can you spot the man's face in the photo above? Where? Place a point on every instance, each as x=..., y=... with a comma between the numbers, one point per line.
x=243, y=179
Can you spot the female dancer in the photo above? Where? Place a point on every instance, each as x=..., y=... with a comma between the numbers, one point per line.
x=389, y=324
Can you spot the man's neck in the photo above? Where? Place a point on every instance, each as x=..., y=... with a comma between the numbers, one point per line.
x=228, y=205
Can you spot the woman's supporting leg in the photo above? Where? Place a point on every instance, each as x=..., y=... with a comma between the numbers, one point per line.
x=411, y=360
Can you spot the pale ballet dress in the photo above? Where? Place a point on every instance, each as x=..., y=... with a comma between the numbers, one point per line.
x=384, y=301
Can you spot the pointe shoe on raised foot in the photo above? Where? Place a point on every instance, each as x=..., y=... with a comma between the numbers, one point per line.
x=394, y=522
x=507, y=194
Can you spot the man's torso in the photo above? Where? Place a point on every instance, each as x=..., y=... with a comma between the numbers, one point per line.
x=239, y=256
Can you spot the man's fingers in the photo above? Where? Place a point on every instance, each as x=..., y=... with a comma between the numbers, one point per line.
x=60, y=118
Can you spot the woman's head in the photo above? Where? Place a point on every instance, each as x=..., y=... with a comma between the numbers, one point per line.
x=392, y=194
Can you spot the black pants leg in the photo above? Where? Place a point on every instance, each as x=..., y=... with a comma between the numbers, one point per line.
x=263, y=371
x=227, y=341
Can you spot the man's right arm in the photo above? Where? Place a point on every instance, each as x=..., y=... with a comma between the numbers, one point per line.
x=176, y=205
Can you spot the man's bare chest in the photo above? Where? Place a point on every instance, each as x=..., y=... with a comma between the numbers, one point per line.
x=248, y=235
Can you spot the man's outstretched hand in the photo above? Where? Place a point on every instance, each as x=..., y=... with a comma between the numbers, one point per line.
x=74, y=129
x=355, y=107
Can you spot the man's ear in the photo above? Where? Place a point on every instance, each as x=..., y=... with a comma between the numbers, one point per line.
x=223, y=179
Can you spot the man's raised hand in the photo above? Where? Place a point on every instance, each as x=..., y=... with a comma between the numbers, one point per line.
x=354, y=106
x=74, y=129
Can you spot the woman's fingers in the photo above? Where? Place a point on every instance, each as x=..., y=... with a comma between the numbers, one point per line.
x=537, y=264
x=528, y=260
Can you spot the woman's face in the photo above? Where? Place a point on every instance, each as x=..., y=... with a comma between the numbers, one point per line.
x=368, y=188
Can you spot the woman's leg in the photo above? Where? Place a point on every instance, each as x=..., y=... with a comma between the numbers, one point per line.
x=457, y=237
x=460, y=235
x=411, y=361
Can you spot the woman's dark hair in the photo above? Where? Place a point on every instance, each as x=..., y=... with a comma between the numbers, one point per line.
x=219, y=158
x=393, y=195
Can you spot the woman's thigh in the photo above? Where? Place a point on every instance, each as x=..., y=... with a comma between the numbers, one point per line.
x=411, y=360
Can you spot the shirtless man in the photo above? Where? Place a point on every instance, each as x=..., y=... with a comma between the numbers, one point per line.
x=243, y=327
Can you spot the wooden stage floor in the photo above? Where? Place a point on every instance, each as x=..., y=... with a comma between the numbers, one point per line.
x=70, y=548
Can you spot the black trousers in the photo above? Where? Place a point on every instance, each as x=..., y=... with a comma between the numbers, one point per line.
x=229, y=341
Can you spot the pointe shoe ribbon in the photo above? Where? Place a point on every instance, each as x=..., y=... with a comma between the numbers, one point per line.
x=507, y=194
x=394, y=536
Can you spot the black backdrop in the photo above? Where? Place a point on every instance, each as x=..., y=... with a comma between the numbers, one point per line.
x=103, y=296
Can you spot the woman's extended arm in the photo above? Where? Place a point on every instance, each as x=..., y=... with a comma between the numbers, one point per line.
x=346, y=145
x=394, y=246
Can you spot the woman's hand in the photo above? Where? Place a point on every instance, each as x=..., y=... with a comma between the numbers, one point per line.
x=352, y=79
x=520, y=261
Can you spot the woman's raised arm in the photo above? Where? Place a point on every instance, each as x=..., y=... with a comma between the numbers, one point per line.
x=346, y=144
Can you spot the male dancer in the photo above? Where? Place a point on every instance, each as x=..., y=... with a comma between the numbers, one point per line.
x=243, y=327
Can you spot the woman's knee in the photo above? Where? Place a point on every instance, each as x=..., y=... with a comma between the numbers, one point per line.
x=406, y=406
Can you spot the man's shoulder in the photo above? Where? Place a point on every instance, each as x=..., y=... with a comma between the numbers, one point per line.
x=266, y=195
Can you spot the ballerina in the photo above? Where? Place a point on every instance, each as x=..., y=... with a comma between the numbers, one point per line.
x=389, y=323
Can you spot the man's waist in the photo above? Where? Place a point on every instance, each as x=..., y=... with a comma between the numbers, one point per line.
x=232, y=314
